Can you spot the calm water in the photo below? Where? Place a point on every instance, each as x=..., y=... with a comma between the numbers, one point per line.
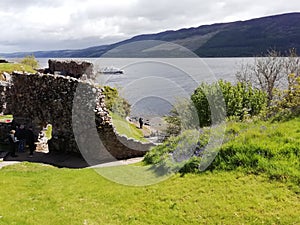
x=224, y=68
x=153, y=85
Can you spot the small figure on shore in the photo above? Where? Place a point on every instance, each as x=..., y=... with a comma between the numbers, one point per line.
x=13, y=143
x=141, y=122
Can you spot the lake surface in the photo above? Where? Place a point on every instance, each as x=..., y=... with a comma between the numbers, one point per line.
x=153, y=85
x=222, y=68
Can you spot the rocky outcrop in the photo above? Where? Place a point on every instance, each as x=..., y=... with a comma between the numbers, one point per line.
x=76, y=110
x=71, y=68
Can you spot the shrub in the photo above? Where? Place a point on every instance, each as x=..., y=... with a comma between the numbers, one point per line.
x=115, y=103
x=30, y=61
x=287, y=105
x=241, y=100
x=182, y=117
x=178, y=152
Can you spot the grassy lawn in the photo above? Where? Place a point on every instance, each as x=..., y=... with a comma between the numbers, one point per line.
x=128, y=129
x=10, y=67
x=36, y=194
x=137, y=174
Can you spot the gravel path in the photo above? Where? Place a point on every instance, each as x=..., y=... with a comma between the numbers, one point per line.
x=7, y=163
x=119, y=162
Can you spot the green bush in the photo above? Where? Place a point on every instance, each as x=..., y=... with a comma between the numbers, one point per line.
x=202, y=97
x=287, y=104
x=115, y=103
x=182, y=117
x=30, y=61
x=241, y=100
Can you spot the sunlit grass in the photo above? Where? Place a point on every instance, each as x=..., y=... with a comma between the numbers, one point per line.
x=128, y=129
x=10, y=67
x=36, y=194
x=258, y=147
x=134, y=175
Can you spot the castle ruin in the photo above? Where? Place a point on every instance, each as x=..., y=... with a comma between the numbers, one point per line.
x=75, y=109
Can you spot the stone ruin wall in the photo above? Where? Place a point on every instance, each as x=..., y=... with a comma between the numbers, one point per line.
x=4, y=128
x=3, y=87
x=38, y=99
x=73, y=68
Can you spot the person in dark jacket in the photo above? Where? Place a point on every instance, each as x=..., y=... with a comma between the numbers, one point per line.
x=30, y=139
x=141, y=123
x=13, y=143
x=21, y=136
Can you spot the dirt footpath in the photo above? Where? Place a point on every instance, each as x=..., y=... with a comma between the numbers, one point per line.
x=67, y=160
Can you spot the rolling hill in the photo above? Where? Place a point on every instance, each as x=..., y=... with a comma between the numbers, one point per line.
x=235, y=39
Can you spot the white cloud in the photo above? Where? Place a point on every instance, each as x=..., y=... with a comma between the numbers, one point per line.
x=60, y=24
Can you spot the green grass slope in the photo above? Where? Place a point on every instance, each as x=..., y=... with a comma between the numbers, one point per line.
x=123, y=127
x=263, y=147
x=36, y=194
x=271, y=149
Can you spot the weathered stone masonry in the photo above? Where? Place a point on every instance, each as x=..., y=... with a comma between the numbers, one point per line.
x=72, y=107
x=71, y=68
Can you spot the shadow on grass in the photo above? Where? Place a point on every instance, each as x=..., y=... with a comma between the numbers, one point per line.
x=132, y=175
x=67, y=160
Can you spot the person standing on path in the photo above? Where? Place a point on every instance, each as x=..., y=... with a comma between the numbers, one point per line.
x=141, y=122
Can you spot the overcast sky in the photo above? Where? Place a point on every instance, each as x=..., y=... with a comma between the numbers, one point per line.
x=29, y=25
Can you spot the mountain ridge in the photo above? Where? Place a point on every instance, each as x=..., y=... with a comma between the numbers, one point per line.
x=233, y=39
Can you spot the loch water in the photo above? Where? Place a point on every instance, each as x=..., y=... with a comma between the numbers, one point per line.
x=153, y=85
